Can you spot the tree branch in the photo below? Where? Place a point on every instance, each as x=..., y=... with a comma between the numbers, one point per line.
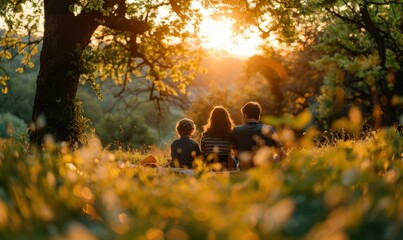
x=350, y=50
x=356, y=89
x=177, y=9
x=346, y=19
x=375, y=33
x=122, y=8
x=123, y=24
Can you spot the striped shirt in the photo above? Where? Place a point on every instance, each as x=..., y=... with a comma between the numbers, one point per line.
x=220, y=146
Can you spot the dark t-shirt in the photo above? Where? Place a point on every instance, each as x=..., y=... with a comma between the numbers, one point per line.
x=253, y=135
x=184, y=150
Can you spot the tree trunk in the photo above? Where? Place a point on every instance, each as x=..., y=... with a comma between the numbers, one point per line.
x=389, y=113
x=399, y=93
x=55, y=112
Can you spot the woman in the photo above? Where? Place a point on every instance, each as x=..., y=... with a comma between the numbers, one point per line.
x=216, y=140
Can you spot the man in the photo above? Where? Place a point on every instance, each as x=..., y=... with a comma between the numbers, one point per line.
x=253, y=135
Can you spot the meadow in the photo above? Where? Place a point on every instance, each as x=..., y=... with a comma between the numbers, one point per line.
x=346, y=189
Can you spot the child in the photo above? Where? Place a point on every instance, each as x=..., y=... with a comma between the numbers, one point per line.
x=184, y=149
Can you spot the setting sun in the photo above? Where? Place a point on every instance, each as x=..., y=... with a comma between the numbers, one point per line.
x=218, y=35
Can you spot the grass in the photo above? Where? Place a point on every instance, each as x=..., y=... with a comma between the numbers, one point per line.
x=345, y=190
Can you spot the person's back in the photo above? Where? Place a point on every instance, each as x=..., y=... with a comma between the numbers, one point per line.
x=252, y=135
x=218, y=147
x=184, y=149
x=216, y=140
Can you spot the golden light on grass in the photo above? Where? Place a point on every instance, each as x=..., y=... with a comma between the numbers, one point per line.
x=177, y=234
x=278, y=215
x=154, y=234
x=120, y=228
x=86, y=193
x=263, y=157
x=3, y=214
x=352, y=124
x=347, y=183
x=79, y=231
x=300, y=121
x=201, y=215
x=334, y=196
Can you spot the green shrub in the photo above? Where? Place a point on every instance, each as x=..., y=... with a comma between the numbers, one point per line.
x=11, y=126
x=118, y=130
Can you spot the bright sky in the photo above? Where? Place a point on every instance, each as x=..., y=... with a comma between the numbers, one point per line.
x=218, y=35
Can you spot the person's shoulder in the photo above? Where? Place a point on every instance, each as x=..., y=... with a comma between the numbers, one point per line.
x=237, y=130
x=267, y=130
x=175, y=142
x=237, y=127
x=267, y=126
x=206, y=134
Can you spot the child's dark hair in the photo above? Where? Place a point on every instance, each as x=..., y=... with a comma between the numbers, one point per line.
x=185, y=127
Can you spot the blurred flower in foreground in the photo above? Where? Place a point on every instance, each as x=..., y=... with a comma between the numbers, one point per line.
x=79, y=231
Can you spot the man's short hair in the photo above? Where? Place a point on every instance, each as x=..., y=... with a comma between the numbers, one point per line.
x=252, y=110
x=185, y=127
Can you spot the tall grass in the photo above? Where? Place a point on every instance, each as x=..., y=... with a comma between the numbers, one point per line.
x=345, y=190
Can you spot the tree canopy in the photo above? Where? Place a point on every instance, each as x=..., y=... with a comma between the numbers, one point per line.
x=354, y=47
x=91, y=41
x=359, y=42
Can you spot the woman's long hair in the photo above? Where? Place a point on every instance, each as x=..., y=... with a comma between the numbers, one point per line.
x=219, y=123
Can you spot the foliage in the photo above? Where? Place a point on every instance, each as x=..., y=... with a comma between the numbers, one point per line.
x=122, y=41
x=21, y=93
x=11, y=126
x=304, y=82
x=355, y=47
x=81, y=124
x=360, y=40
x=121, y=129
x=362, y=55
x=21, y=37
x=347, y=191
x=19, y=100
x=358, y=67
x=154, y=124
x=165, y=52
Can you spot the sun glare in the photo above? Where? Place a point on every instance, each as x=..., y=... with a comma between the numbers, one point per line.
x=218, y=35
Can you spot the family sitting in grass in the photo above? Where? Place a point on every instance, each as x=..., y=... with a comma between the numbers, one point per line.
x=227, y=146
